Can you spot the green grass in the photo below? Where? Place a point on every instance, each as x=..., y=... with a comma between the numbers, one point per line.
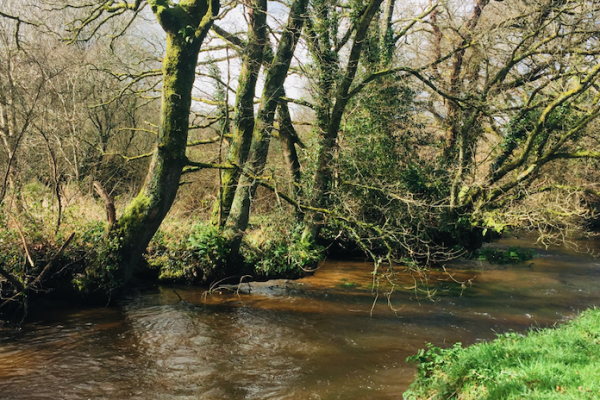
x=559, y=363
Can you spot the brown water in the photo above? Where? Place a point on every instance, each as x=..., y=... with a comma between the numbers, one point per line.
x=308, y=339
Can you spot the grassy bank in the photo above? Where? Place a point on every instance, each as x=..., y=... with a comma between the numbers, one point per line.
x=560, y=363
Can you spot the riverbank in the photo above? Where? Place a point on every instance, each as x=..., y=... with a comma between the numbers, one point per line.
x=293, y=340
x=78, y=263
x=544, y=364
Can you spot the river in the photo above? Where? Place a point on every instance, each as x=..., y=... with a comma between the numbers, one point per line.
x=308, y=339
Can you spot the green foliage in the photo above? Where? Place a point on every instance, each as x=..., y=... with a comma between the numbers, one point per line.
x=11, y=252
x=513, y=254
x=432, y=358
x=559, y=363
x=187, y=33
x=377, y=149
x=356, y=10
x=424, y=180
x=281, y=255
x=90, y=257
x=385, y=171
x=190, y=256
x=200, y=252
x=101, y=271
x=207, y=248
x=524, y=123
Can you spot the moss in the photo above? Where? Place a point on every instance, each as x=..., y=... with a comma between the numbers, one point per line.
x=133, y=217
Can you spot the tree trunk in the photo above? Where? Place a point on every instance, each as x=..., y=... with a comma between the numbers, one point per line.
x=143, y=216
x=244, y=111
x=272, y=92
x=386, y=32
x=289, y=138
x=324, y=175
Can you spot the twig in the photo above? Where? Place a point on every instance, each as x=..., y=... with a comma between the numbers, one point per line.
x=12, y=279
x=23, y=240
x=49, y=266
x=237, y=292
x=180, y=299
x=10, y=299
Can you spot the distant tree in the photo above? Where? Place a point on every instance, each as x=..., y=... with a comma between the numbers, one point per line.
x=516, y=97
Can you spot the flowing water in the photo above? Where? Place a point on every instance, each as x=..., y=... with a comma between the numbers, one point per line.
x=308, y=339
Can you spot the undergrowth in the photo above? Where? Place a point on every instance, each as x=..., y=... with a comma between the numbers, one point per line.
x=184, y=249
x=193, y=253
x=199, y=252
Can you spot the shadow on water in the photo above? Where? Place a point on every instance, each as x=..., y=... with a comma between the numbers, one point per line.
x=306, y=339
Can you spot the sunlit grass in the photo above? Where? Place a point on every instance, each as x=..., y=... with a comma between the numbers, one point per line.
x=560, y=363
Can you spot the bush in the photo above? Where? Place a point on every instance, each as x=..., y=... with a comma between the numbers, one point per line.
x=200, y=252
x=101, y=266
x=190, y=255
x=271, y=250
x=284, y=257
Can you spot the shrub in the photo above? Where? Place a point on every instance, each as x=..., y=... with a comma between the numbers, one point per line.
x=190, y=255
x=272, y=251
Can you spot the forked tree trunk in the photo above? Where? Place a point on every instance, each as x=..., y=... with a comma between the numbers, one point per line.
x=272, y=92
x=143, y=216
x=329, y=132
x=244, y=110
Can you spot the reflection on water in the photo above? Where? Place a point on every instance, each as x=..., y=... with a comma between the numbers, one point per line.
x=307, y=339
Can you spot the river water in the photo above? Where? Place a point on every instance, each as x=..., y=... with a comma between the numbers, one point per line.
x=314, y=338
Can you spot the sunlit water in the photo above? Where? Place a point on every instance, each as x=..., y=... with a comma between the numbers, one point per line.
x=309, y=339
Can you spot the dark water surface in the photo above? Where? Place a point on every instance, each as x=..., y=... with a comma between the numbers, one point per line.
x=307, y=339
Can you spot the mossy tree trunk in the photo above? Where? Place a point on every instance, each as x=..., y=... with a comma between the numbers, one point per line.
x=288, y=137
x=244, y=110
x=329, y=124
x=186, y=25
x=386, y=32
x=272, y=92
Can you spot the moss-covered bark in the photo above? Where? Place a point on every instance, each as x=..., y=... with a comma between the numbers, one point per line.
x=289, y=138
x=244, y=110
x=272, y=92
x=186, y=25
